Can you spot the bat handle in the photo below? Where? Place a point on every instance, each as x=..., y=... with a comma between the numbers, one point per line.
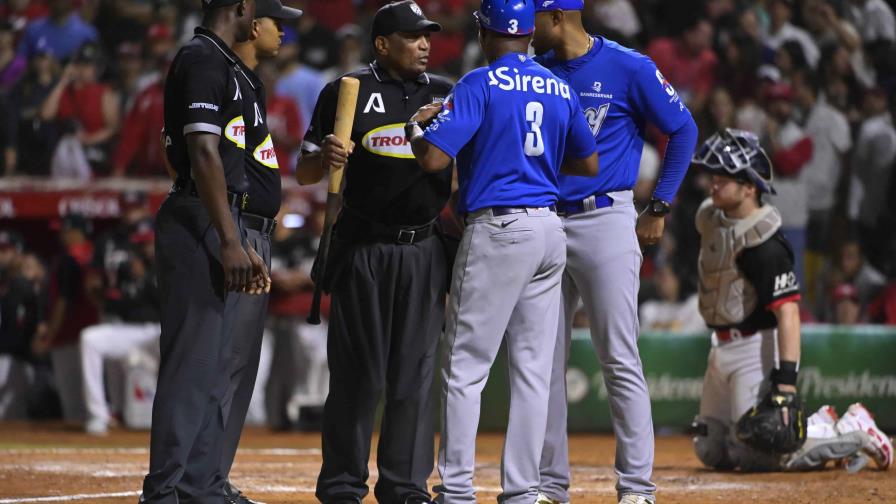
x=314, y=316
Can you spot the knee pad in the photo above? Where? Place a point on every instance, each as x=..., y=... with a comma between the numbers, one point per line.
x=711, y=443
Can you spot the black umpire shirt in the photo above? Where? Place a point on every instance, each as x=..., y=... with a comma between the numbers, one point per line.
x=203, y=94
x=262, y=168
x=384, y=183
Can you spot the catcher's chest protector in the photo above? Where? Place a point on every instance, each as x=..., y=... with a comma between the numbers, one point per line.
x=726, y=298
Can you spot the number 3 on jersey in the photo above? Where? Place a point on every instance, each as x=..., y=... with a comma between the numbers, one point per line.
x=534, y=116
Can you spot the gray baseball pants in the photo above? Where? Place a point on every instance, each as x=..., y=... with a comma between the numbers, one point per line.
x=603, y=262
x=505, y=287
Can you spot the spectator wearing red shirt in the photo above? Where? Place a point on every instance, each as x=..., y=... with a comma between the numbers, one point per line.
x=139, y=152
x=688, y=62
x=86, y=107
x=285, y=122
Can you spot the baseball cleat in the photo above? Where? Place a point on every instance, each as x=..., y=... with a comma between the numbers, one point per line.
x=635, y=499
x=879, y=447
x=826, y=414
x=233, y=495
x=544, y=499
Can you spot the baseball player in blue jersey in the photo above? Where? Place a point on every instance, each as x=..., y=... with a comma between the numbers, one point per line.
x=620, y=91
x=510, y=126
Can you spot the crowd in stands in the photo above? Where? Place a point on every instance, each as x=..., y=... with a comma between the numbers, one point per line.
x=81, y=97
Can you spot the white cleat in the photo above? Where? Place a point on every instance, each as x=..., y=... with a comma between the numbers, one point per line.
x=879, y=447
x=96, y=427
x=635, y=499
x=825, y=415
x=544, y=499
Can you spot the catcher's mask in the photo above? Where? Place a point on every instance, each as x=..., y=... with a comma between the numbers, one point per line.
x=737, y=154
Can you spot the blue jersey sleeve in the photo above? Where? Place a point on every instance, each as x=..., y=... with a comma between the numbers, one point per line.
x=678, y=157
x=655, y=98
x=579, y=140
x=461, y=115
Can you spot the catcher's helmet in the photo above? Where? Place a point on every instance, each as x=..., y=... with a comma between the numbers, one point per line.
x=736, y=153
x=510, y=17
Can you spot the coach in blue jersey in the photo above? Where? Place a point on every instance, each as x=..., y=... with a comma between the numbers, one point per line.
x=620, y=91
x=510, y=126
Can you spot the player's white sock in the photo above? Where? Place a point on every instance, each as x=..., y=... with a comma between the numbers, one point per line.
x=821, y=424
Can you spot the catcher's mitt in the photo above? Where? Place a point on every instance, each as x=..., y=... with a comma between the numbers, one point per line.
x=776, y=425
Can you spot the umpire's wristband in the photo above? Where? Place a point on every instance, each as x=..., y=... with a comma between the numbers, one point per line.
x=785, y=374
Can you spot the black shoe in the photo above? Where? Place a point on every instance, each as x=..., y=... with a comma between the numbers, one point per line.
x=233, y=495
x=417, y=499
x=345, y=499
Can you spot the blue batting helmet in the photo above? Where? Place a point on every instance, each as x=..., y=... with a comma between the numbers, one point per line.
x=510, y=17
x=737, y=154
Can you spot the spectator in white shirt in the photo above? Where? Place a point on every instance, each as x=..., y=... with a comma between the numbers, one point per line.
x=831, y=142
x=875, y=20
x=781, y=30
x=873, y=164
x=670, y=312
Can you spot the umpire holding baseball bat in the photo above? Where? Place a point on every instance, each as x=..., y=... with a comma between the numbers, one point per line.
x=386, y=271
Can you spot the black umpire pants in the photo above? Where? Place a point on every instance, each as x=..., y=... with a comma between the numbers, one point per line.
x=388, y=304
x=188, y=417
x=247, y=329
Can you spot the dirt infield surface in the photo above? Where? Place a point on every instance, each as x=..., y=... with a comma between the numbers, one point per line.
x=46, y=463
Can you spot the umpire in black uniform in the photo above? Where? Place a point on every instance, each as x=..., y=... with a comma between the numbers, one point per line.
x=202, y=258
x=387, y=270
x=257, y=218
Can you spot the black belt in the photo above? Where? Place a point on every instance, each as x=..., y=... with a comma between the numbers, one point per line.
x=234, y=199
x=258, y=223
x=357, y=228
x=593, y=202
x=404, y=235
x=499, y=211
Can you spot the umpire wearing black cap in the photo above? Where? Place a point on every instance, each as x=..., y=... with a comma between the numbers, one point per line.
x=202, y=258
x=263, y=171
x=387, y=270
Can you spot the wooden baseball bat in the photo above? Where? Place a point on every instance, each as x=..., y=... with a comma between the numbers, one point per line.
x=345, y=118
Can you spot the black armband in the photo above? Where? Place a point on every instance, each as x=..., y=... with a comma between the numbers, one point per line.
x=785, y=374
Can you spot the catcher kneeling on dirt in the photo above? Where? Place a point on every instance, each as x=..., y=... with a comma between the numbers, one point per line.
x=751, y=416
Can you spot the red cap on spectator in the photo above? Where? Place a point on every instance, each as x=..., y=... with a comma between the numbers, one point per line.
x=158, y=31
x=844, y=291
x=779, y=91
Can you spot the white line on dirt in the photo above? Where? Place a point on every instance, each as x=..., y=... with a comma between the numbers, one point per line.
x=282, y=489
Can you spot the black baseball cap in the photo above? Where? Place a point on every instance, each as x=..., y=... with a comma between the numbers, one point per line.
x=89, y=52
x=405, y=16
x=217, y=4
x=275, y=10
